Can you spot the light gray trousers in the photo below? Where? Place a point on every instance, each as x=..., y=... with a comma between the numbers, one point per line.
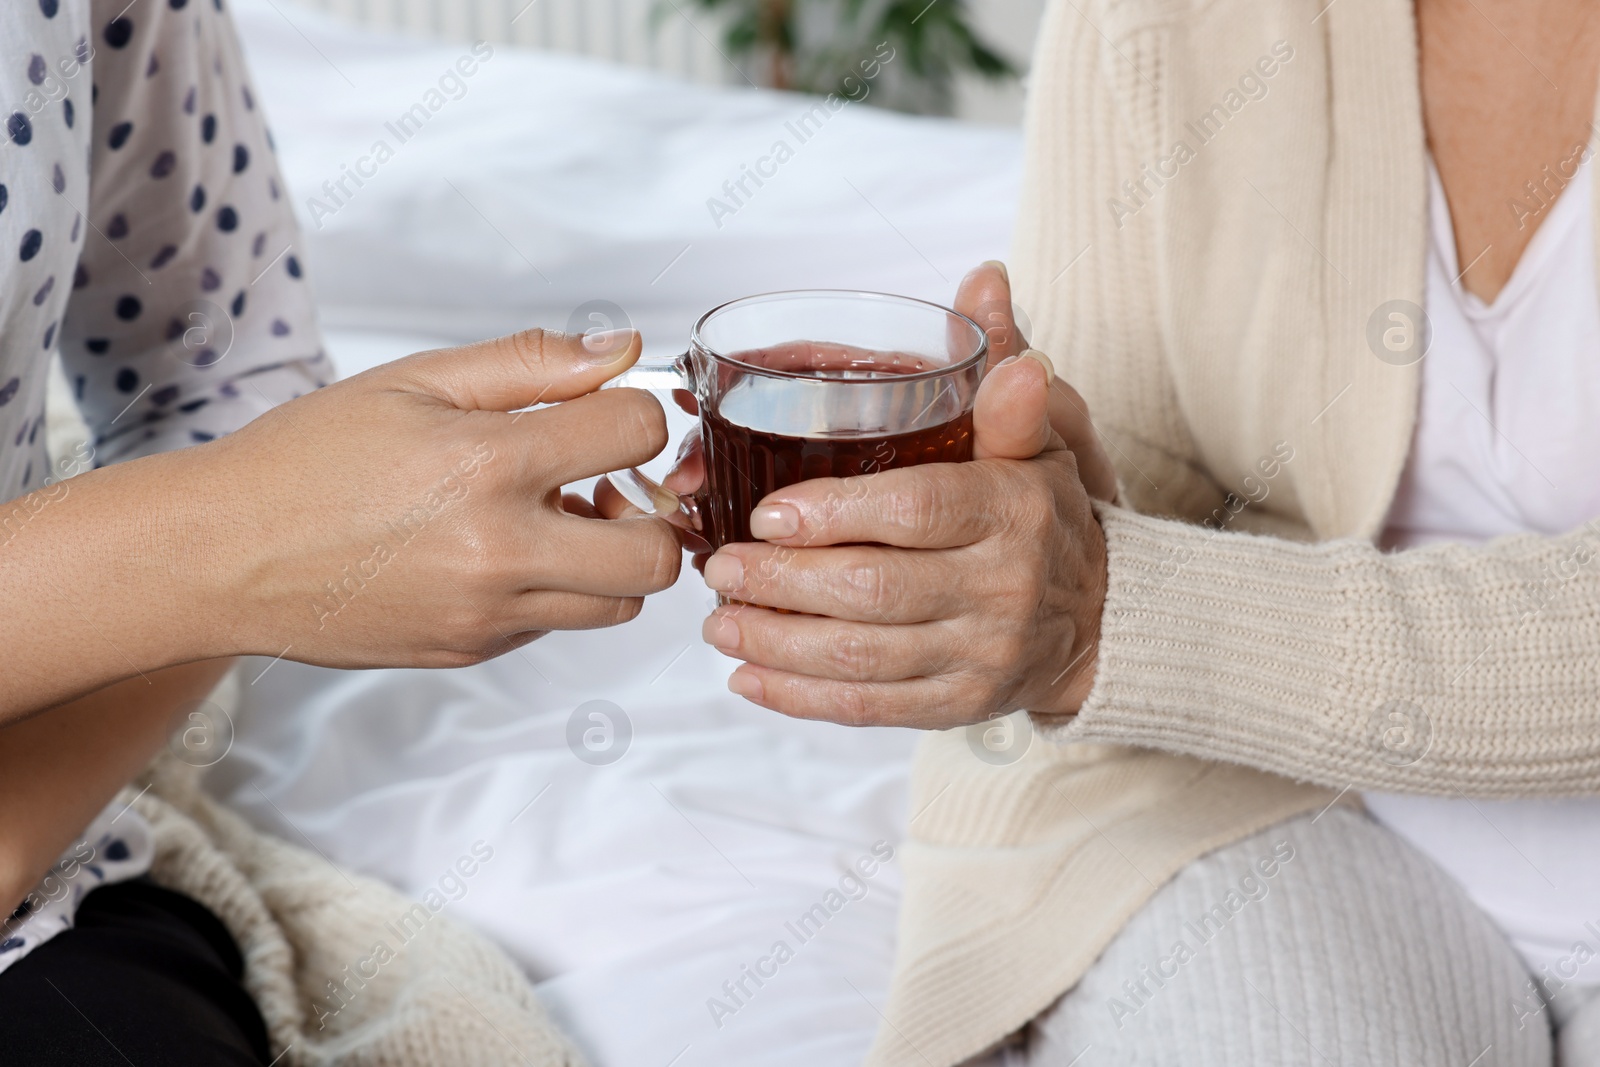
x=1324, y=941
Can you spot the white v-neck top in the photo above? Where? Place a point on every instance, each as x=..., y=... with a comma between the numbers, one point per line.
x=1508, y=440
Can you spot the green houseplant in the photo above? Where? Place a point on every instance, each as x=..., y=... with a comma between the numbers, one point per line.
x=816, y=46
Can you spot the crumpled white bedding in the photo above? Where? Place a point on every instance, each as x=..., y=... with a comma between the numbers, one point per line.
x=554, y=181
x=633, y=890
x=647, y=895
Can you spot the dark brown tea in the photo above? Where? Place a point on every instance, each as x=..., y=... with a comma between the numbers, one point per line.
x=770, y=433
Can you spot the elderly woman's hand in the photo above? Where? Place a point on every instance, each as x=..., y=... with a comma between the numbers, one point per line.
x=931, y=596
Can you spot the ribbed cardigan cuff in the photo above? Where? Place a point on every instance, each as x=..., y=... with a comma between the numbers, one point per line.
x=1341, y=665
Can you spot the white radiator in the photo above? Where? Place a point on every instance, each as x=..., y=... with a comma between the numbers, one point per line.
x=684, y=42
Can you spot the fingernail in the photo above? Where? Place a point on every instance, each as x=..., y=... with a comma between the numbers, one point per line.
x=607, y=346
x=775, y=522
x=1043, y=361
x=721, y=632
x=747, y=685
x=1001, y=267
x=724, y=572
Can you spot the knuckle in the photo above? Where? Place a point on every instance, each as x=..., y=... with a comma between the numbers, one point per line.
x=625, y=609
x=641, y=424
x=1032, y=506
x=850, y=706
x=912, y=507
x=852, y=653
x=531, y=349
x=864, y=581
x=666, y=559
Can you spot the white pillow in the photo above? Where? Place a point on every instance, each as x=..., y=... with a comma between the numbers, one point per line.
x=539, y=183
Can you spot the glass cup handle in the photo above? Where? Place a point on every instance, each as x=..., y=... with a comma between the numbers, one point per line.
x=638, y=488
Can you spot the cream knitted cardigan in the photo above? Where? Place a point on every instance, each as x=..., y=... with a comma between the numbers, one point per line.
x=1228, y=314
x=346, y=971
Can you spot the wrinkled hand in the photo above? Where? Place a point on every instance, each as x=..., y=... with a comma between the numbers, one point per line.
x=932, y=596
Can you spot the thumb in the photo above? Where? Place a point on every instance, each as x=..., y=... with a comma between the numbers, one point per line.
x=527, y=368
x=1011, y=416
x=984, y=296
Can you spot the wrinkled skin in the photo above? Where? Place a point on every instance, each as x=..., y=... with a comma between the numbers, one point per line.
x=933, y=596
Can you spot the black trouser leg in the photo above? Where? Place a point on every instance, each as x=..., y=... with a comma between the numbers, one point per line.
x=147, y=976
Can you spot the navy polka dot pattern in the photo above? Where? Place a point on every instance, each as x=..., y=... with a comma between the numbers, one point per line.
x=119, y=31
x=181, y=322
x=176, y=300
x=117, y=846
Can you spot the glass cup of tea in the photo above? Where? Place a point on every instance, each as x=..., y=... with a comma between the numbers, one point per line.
x=812, y=384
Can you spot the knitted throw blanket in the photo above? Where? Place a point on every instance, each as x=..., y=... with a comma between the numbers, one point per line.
x=334, y=982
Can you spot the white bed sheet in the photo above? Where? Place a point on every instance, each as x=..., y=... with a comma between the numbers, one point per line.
x=632, y=891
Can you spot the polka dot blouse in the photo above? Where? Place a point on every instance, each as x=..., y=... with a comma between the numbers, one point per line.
x=145, y=236
x=144, y=233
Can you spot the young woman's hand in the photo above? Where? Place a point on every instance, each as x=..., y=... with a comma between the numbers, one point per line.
x=407, y=517
x=410, y=516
